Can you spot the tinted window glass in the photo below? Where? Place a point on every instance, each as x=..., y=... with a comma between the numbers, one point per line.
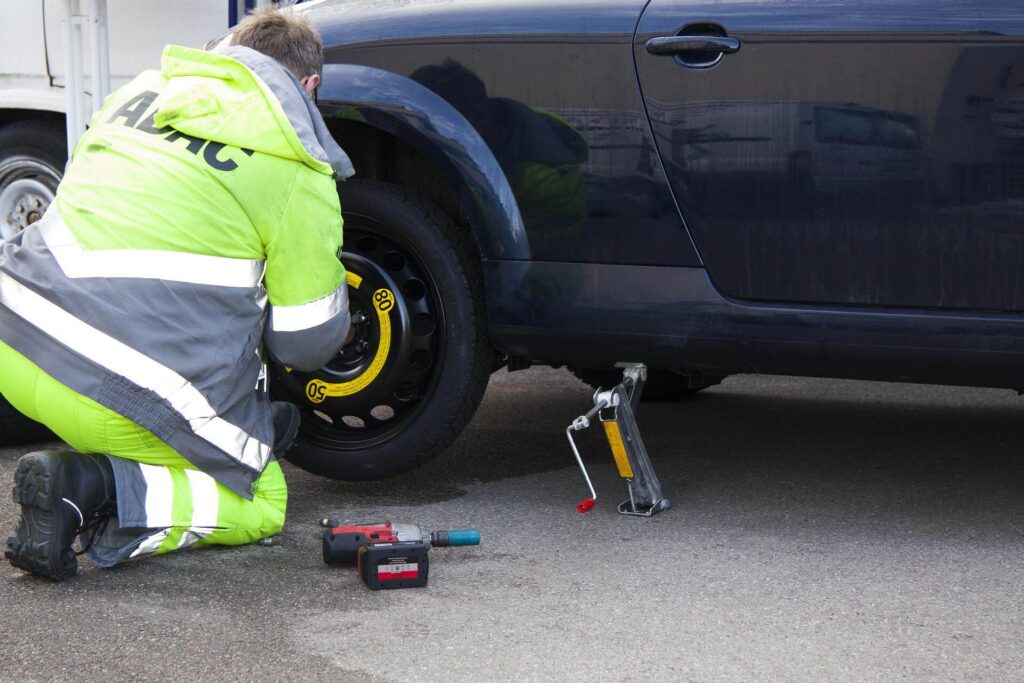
x=839, y=125
x=852, y=127
x=896, y=132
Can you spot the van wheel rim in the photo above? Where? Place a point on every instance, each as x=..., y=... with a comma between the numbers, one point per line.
x=27, y=187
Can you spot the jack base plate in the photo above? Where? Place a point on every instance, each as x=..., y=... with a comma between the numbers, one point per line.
x=627, y=507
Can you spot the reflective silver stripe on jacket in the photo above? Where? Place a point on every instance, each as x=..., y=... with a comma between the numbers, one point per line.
x=138, y=368
x=159, y=495
x=152, y=543
x=150, y=264
x=205, y=507
x=312, y=314
x=205, y=499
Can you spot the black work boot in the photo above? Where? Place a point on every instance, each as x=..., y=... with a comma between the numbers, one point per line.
x=286, y=426
x=60, y=493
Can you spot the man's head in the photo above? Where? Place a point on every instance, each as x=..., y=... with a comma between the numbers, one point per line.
x=462, y=88
x=465, y=91
x=288, y=38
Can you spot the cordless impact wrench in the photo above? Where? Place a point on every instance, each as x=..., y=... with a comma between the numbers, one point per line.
x=388, y=554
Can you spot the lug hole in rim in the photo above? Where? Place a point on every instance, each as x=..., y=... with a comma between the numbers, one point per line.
x=414, y=289
x=421, y=360
x=406, y=391
x=382, y=413
x=423, y=325
x=394, y=261
x=353, y=422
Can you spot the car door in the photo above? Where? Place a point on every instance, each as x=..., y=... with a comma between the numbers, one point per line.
x=867, y=153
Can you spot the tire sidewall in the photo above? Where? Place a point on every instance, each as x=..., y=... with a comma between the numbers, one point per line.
x=37, y=139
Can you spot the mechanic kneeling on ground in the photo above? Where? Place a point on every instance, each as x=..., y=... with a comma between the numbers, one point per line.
x=132, y=314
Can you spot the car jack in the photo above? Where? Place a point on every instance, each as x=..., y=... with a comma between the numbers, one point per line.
x=616, y=410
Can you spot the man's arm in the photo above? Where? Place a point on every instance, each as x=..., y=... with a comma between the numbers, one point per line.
x=305, y=281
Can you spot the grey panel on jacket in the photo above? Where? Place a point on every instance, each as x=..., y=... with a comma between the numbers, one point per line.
x=116, y=544
x=209, y=335
x=131, y=488
x=138, y=405
x=206, y=333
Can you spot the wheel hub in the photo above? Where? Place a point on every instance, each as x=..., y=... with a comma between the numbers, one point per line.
x=27, y=186
x=354, y=353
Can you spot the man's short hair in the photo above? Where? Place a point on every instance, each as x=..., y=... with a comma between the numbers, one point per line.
x=286, y=36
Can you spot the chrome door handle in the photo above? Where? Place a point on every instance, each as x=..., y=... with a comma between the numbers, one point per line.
x=681, y=45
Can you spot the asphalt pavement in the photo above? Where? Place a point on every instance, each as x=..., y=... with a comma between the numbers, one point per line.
x=821, y=530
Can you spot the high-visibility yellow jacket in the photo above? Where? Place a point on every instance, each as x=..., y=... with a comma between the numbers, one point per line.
x=198, y=217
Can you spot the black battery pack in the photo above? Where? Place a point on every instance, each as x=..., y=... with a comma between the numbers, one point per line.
x=394, y=565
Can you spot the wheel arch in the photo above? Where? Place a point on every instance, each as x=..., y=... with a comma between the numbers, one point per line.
x=12, y=114
x=435, y=138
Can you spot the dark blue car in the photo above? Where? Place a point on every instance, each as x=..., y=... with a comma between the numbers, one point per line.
x=824, y=188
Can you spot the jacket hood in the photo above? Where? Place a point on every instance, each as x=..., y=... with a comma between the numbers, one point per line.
x=240, y=97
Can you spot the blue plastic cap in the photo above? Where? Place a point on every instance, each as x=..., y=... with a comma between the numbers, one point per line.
x=464, y=537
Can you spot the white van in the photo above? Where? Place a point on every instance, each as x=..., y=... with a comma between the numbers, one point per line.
x=33, y=147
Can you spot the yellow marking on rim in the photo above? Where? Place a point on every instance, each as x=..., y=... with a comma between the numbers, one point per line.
x=317, y=390
x=611, y=430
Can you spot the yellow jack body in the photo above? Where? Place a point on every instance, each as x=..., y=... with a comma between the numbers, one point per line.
x=614, y=434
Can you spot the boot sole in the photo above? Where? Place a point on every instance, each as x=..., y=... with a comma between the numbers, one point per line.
x=33, y=546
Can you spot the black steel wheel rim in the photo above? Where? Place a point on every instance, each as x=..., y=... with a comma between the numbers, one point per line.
x=356, y=401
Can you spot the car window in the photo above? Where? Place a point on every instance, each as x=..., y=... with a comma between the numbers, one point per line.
x=897, y=132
